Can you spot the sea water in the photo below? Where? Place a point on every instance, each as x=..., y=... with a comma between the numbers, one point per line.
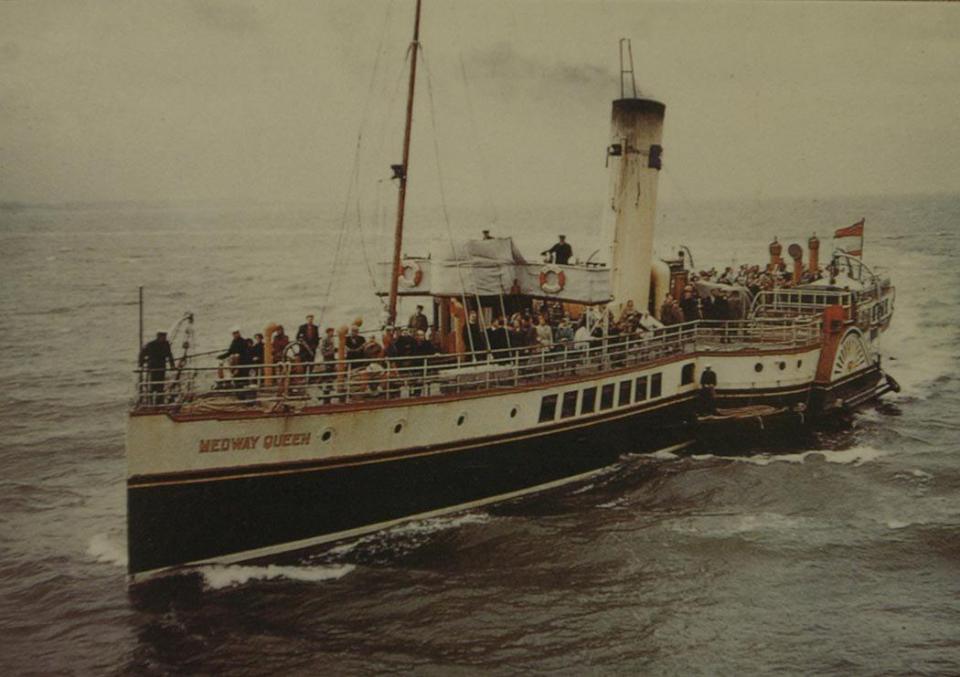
x=839, y=556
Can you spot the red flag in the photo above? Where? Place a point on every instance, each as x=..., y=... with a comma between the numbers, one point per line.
x=856, y=230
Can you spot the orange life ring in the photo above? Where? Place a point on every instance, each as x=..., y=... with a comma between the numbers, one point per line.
x=415, y=279
x=552, y=287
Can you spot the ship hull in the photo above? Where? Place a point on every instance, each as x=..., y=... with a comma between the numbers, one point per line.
x=236, y=517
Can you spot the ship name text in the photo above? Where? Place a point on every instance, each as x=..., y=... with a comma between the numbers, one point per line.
x=251, y=442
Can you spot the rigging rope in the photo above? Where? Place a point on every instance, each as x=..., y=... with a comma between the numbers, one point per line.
x=354, y=182
x=436, y=145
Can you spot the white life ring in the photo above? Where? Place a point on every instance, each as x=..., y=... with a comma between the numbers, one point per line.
x=558, y=275
x=414, y=278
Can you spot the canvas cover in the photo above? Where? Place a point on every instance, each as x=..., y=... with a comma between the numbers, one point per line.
x=494, y=267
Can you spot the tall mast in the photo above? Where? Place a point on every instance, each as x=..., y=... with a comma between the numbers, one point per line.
x=401, y=171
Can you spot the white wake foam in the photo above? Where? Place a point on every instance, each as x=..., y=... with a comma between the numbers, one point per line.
x=103, y=548
x=218, y=577
x=415, y=528
x=664, y=455
x=853, y=456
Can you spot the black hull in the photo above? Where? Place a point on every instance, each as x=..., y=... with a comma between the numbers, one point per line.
x=177, y=523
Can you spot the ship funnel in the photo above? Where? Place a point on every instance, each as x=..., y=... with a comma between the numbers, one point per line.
x=636, y=133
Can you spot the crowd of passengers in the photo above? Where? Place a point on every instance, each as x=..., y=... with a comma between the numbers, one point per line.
x=544, y=329
x=381, y=368
x=549, y=329
x=720, y=304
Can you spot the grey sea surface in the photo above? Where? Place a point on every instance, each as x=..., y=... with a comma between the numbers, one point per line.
x=839, y=555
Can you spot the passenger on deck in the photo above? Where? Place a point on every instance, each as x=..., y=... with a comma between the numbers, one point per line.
x=155, y=355
x=422, y=350
x=474, y=338
x=256, y=356
x=418, y=321
x=629, y=317
x=279, y=344
x=308, y=335
x=708, y=385
x=560, y=252
x=518, y=337
x=690, y=305
x=355, y=344
x=544, y=334
x=403, y=346
x=328, y=349
x=497, y=338
x=581, y=336
x=238, y=355
x=707, y=308
x=565, y=330
x=721, y=307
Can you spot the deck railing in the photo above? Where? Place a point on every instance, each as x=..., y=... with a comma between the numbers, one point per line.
x=289, y=386
x=798, y=302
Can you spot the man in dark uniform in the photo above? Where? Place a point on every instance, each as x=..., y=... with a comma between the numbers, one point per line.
x=474, y=338
x=497, y=338
x=422, y=350
x=308, y=336
x=354, y=345
x=560, y=252
x=708, y=386
x=238, y=355
x=418, y=321
x=155, y=355
x=690, y=305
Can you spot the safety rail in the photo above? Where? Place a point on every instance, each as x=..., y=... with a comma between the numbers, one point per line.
x=288, y=386
x=799, y=302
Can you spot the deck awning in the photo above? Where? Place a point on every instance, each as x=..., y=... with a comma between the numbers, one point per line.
x=494, y=267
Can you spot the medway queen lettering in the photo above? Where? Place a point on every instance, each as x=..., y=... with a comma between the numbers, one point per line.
x=250, y=442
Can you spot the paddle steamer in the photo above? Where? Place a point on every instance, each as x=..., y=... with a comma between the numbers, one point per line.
x=237, y=467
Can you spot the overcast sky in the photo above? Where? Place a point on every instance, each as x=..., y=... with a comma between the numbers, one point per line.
x=263, y=101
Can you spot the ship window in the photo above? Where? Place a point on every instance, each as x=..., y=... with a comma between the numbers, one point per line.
x=589, y=401
x=641, y=393
x=398, y=427
x=686, y=374
x=758, y=367
x=513, y=413
x=461, y=418
x=569, y=406
x=326, y=435
x=799, y=363
x=548, y=408
x=782, y=365
x=606, y=396
x=656, y=385
x=624, y=397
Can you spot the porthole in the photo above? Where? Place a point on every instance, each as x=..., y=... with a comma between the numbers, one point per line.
x=758, y=367
x=782, y=365
x=513, y=413
x=461, y=419
x=799, y=363
x=398, y=427
x=326, y=435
